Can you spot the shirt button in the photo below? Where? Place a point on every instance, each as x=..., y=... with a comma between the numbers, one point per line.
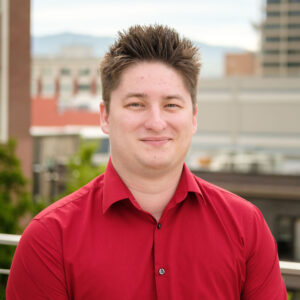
x=159, y=225
x=161, y=271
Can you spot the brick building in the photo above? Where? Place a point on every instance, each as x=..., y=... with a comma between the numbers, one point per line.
x=240, y=64
x=15, y=78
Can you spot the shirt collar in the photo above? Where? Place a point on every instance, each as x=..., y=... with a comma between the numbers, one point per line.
x=115, y=190
x=187, y=183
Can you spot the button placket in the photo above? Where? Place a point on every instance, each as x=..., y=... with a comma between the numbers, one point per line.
x=161, y=270
x=158, y=260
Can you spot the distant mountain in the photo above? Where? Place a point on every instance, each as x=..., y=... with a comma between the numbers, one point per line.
x=50, y=45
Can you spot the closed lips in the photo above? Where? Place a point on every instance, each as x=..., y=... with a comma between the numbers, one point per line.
x=155, y=139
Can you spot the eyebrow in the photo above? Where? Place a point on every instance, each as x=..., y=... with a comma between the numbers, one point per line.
x=135, y=95
x=143, y=95
x=175, y=96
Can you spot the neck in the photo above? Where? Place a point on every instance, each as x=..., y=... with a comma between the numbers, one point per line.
x=151, y=191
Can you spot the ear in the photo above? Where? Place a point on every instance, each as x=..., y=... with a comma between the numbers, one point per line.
x=195, y=119
x=104, y=118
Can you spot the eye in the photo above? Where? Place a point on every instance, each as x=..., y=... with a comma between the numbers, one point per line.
x=135, y=105
x=172, y=105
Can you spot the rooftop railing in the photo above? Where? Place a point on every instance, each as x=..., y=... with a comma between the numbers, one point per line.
x=290, y=270
x=11, y=240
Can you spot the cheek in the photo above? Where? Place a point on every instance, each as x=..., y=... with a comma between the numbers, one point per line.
x=185, y=124
x=125, y=124
x=133, y=121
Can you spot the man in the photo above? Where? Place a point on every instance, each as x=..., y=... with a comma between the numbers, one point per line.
x=148, y=228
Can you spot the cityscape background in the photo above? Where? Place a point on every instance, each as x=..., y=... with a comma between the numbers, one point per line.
x=248, y=136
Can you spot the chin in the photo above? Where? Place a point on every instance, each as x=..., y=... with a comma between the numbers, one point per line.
x=158, y=163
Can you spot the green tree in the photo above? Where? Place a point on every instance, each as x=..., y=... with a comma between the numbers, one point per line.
x=15, y=204
x=80, y=168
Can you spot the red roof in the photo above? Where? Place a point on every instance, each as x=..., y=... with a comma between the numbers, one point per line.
x=44, y=112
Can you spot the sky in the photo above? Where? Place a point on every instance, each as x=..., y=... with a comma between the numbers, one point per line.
x=215, y=22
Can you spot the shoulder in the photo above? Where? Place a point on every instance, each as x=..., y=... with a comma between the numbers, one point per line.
x=73, y=207
x=56, y=223
x=75, y=199
x=222, y=198
x=240, y=217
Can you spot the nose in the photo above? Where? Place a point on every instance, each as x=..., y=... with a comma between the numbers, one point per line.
x=155, y=119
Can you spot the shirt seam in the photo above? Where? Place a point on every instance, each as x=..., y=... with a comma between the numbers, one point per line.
x=61, y=254
x=69, y=202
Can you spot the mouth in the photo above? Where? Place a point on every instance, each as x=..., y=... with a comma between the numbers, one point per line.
x=156, y=141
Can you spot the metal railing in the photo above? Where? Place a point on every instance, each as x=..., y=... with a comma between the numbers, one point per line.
x=8, y=239
x=290, y=270
x=291, y=274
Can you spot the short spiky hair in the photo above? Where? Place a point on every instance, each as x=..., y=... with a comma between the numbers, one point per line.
x=150, y=43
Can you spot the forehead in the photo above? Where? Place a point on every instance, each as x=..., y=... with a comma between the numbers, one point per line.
x=151, y=75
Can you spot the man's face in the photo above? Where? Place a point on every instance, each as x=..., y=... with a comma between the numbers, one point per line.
x=151, y=119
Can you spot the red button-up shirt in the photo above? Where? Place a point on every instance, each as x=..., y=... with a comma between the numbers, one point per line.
x=97, y=243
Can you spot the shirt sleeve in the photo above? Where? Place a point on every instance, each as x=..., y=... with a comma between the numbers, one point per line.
x=37, y=269
x=263, y=276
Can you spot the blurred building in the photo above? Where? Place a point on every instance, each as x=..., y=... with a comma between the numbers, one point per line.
x=245, y=125
x=240, y=64
x=15, y=78
x=71, y=76
x=239, y=118
x=57, y=134
x=65, y=110
x=280, y=49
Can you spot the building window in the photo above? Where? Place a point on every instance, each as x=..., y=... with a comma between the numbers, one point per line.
x=272, y=39
x=273, y=13
x=84, y=87
x=293, y=38
x=293, y=64
x=271, y=65
x=293, y=26
x=288, y=237
x=272, y=26
x=284, y=237
x=293, y=51
x=273, y=1
x=294, y=13
x=271, y=52
x=84, y=72
x=65, y=71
